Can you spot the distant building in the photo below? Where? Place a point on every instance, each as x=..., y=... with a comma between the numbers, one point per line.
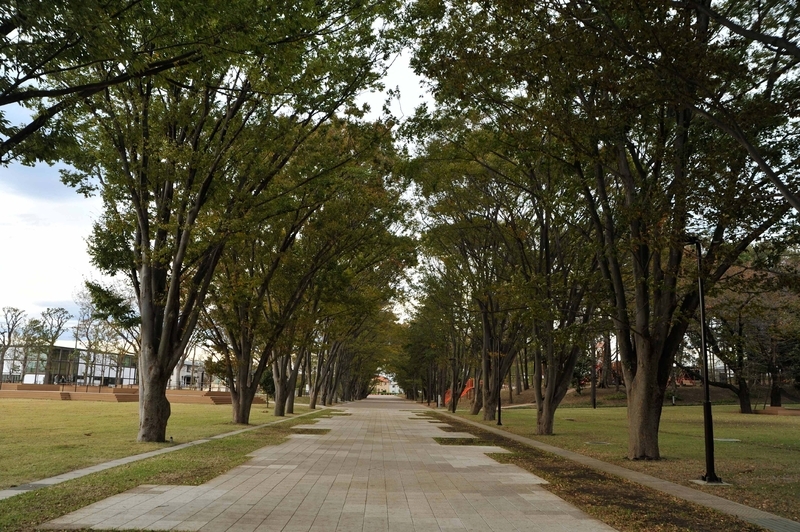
x=384, y=386
x=67, y=365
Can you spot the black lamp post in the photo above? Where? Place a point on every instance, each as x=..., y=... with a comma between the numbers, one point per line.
x=499, y=383
x=430, y=376
x=710, y=476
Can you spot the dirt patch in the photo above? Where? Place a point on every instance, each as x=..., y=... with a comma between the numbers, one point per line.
x=310, y=431
x=463, y=441
x=450, y=428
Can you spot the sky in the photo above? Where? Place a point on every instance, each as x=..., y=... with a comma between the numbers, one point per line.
x=44, y=224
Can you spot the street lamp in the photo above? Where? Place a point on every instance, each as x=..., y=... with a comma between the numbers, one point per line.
x=430, y=376
x=499, y=384
x=674, y=381
x=710, y=477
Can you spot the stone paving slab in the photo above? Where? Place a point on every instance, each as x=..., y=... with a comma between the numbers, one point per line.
x=758, y=517
x=377, y=469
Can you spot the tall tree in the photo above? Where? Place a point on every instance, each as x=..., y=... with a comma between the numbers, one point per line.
x=13, y=320
x=647, y=169
x=261, y=285
x=183, y=158
x=53, y=324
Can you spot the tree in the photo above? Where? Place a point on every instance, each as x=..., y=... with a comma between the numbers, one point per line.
x=51, y=326
x=355, y=293
x=647, y=169
x=182, y=158
x=56, y=53
x=114, y=305
x=264, y=276
x=474, y=166
x=13, y=320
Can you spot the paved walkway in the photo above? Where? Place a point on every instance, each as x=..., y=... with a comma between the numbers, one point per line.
x=746, y=513
x=378, y=469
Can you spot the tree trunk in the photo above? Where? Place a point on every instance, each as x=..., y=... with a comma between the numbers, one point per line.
x=545, y=416
x=316, y=383
x=334, y=384
x=242, y=403
x=3, y=365
x=477, y=397
x=485, y=385
x=292, y=383
x=24, y=367
x=281, y=384
x=477, y=404
x=526, y=378
x=154, y=408
x=607, y=371
x=645, y=401
x=304, y=371
x=492, y=393
x=290, y=395
x=745, y=407
x=774, y=389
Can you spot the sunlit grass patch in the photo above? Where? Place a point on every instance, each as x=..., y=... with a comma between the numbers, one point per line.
x=46, y=438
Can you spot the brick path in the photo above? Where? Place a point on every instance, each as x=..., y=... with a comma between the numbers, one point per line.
x=377, y=469
x=758, y=517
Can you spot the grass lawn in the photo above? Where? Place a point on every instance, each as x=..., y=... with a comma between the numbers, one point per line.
x=763, y=468
x=191, y=466
x=41, y=439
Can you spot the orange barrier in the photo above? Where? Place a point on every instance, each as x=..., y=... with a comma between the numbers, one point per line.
x=468, y=388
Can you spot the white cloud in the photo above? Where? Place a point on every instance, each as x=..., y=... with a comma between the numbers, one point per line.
x=399, y=76
x=43, y=231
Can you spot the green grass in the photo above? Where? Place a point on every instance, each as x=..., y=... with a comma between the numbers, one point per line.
x=41, y=439
x=191, y=466
x=764, y=468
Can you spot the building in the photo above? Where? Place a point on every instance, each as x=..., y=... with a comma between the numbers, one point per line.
x=68, y=365
x=384, y=386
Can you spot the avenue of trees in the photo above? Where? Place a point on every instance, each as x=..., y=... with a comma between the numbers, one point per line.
x=191, y=122
x=574, y=151
x=569, y=155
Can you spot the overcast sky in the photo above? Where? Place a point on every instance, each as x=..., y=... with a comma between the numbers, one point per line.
x=44, y=224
